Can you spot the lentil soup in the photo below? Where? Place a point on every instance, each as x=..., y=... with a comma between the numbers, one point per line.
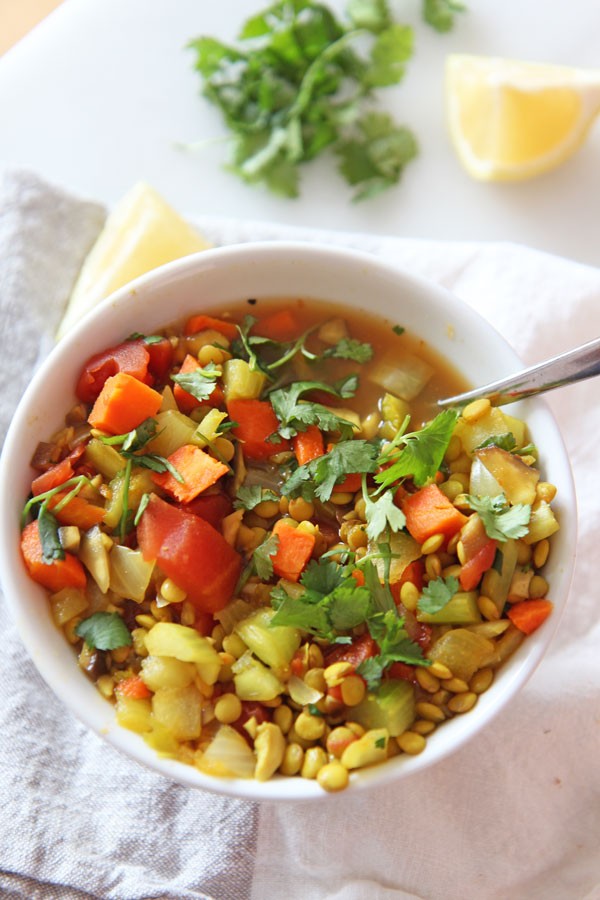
x=270, y=552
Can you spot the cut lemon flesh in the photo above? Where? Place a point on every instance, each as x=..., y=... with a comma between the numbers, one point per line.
x=512, y=120
x=141, y=233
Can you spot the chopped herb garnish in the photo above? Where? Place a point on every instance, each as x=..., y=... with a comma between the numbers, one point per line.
x=422, y=453
x=319, y=476
x=506, y=441
x=248, y=497
x=437, y=594
x=382, y=513
x=501, y=521
x=104, y=631
x=440, y=13
x=350, y=348
x=48, y=531
x=146, y=338
x=398, y=329
x=296, y=414
x=201, y=382
x=262, y=557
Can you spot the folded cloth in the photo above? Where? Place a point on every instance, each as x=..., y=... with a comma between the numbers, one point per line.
x=514, y=814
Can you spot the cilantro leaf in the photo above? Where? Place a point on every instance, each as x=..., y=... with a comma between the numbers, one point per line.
x=422, y=453
x=249, y=496
x=398, y=329
x=200, y=383
x=322, y=577
x=348, y=605
x=437, y=594
x=501, y=521
x=381, y=595
x=370, y=14
x=381, y=514
x=262, y=557
x=48, y=531
x=296, y=415
x=104, y=631
x=395, y=645
x=372, y=670
x=350, y=348
x=373, y=156
x=321, y=475
x=440, y=13
x=309, y=617
x=506, y=441
x=392, y=48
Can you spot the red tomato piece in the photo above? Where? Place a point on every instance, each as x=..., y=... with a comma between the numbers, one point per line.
x=161, y=358
x=191, y=552
x=131, y=358
x=211, y=507
x=355, y=653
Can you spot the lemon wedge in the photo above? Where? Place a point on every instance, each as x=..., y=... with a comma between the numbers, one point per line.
x=140, y=234
x=511, y=120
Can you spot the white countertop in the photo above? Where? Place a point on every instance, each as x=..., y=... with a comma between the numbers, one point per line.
x=102, y=92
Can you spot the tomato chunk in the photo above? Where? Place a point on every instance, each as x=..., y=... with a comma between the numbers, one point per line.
x=191, y=552
x=131, y=357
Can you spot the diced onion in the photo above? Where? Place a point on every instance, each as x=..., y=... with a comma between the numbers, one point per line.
x=228, y=754
x=405, y=377
x=483, y=483
x=130, y=573
x=301, y=692
x=233, y=613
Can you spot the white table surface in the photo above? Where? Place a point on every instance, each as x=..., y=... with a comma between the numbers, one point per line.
x=102, y=92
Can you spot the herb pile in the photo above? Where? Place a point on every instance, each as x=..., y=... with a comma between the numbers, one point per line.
x=302, y=80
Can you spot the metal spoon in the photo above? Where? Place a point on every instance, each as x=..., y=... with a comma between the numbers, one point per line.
x=566, y=368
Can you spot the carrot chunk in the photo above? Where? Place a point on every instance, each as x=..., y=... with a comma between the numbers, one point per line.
x=123, y=403
x=308, y=445
x=201, y=323
x=529, y=614
x=279, y=326
x=256, y=423
x=429, y=512
x=198, y=469
x=133, y=687
x=78, y=511
x=293, y=552
x=53, y=478
x=55, y=575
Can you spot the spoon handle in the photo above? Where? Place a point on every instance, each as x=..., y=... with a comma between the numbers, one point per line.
x=566, y=368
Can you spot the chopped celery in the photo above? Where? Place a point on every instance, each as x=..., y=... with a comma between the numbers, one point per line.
x=274, y=645
x=462, y=651
x=179, y=711
x=461, y=609
x=104, y=458
x=140, y=483
x=185, y=644
x=166, y=672
x=208, y=429
x=67, y=603
x=253, y=681
x=173, y=430
x=496, y=581
x=240, y=382
x=542, y=524
x=391, y=706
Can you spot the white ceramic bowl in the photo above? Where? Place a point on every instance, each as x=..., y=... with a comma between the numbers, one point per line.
x=220, y=276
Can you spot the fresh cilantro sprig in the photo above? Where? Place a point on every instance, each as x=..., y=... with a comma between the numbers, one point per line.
x=437, y=594
x=381, y=513
x=500, y=520
x=104, y=631
x=296, y=414
x=352, y=349
x=395, y=645
x=422, y=453
x=47, y=522
x=249, y=496
x=52, y=548
x=301, y=81
x=201, y=382
x=318, y=477
x=265, y=354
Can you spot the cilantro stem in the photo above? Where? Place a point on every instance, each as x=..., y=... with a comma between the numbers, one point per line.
x=79, y=481
x=125, y=510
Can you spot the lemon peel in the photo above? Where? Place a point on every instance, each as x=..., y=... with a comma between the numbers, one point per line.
x=140, y=234
x=510, y=120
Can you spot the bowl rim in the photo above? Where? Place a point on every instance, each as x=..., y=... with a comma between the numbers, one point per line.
x=119, y=305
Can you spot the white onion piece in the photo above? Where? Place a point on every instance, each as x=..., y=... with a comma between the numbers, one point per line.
x=406, y=377
x=233, y=613
x=130, y=573
x=301, y=692
x=482, y=482
x=228, y=754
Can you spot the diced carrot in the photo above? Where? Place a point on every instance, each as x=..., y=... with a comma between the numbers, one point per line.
x=298, y=664
x=56, y=575
x=429, y=512
x=198, y=469
x=293, y=552
x=202, y=323
x=123, y=403
x=256, y=422
x=78, y=511
x=133, y=687
x=350, y=484
x=53, y=478
x=308, y=445
x=279, y=326
x=359, y=576
x=186, y=401
x=473, y=569
x=527, y=615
